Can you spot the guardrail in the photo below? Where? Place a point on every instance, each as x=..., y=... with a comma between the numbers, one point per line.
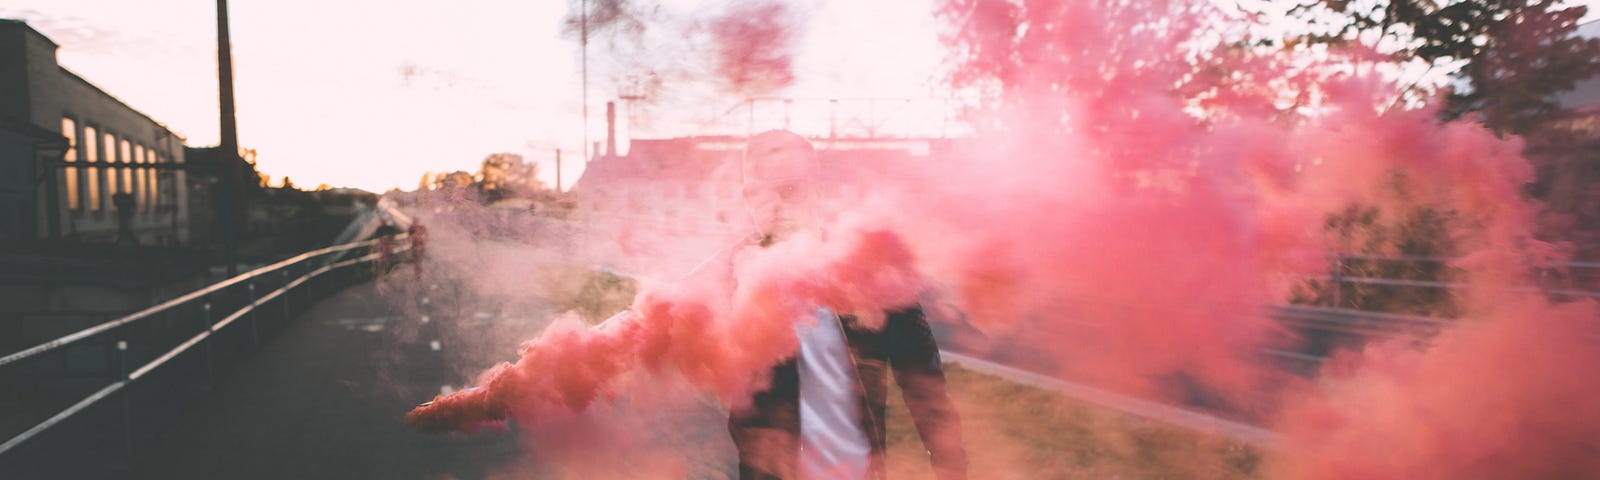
x=1556, y=279
x=224, y=320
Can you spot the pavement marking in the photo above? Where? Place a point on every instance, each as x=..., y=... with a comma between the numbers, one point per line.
x=446, y=389
x=369, y=324
x=426, y=300
x=483, y=315
x=434, y=345
x=426, y=319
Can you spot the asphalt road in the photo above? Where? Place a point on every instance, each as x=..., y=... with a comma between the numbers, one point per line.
x=325, y=397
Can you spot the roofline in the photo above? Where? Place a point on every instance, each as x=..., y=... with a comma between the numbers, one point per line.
x=24, y=24
x=119, y=101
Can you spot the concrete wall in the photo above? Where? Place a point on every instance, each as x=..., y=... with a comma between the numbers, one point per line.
x=16, y=186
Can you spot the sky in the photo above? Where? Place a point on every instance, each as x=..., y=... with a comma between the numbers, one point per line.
x=371, y=94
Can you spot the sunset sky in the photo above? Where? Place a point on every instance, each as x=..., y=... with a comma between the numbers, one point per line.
x=368, y=94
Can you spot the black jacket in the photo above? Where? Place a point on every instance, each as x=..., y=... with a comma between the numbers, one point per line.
x=767, y=433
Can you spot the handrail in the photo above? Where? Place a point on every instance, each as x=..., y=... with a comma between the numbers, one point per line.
x=1430, y=259
x=128, y=377
x=1391, y=282
x=126, y=319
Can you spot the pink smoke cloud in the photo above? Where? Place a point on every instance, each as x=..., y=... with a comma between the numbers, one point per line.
x=1131, y=214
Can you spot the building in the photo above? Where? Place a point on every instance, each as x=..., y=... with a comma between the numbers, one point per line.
x=668, y=203
x=69, y=151
x=693, y=182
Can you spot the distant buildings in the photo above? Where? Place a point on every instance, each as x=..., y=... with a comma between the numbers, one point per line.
x=69, y=150
x=691, y=185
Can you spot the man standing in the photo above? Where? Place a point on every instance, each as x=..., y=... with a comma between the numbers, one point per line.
x=823, y=415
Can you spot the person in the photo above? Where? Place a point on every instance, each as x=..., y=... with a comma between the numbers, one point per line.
x=823, y=415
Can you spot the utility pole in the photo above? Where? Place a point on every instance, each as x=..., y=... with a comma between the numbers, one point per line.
x=558, y=170
x=229, y=146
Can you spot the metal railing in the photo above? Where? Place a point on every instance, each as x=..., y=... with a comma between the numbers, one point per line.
x=1558, y=280
x=224, y=320
x=1337, y=320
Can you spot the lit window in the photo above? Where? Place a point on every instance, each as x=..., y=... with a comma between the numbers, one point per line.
x=69, y=175
x=150, y=177
x=156, y=181
x=127, y=173
x=111, y=172
x=138, y=179
x=91, y=154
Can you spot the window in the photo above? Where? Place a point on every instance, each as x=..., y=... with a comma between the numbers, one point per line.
x=69, y=175
x=127, y=173
x=138, y=179
x=151, y=197
x=91, y=154
x=111, y=172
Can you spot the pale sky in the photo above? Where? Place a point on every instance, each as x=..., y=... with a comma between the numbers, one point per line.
x=372, y=93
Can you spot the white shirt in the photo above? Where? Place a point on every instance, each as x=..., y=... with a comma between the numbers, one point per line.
x=832, y=445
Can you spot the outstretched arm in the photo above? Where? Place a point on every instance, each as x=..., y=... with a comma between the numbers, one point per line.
x=914, y=357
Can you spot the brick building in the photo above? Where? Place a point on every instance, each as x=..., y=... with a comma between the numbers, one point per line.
x=69, y=148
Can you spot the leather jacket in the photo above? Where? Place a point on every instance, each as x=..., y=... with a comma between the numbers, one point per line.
x=767, y=432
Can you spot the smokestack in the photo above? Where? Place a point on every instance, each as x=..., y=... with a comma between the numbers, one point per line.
x=229, y=144
x=611, y=128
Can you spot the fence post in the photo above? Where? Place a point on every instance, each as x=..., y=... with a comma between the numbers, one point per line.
x=1338, y=279
x=211, y=330
x=255, y=330
x=283, y=296
x=127, y=399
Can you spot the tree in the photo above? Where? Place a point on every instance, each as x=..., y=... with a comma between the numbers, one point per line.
x=1507, y=57
x=456, y=179
x=507, y=175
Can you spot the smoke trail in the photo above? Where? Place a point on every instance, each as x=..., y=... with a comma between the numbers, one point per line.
x=755, y=43
x=1247, y=188
x=716, y=335
x=675, y=59
x=1140, y=191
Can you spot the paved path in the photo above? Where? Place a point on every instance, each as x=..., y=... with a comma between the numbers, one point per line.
x=325, y=397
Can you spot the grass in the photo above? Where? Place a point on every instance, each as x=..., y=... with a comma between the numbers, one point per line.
x=594, y=296
x=1018, y=431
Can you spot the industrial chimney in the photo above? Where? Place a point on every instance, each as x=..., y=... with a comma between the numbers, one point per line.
x=611, y=129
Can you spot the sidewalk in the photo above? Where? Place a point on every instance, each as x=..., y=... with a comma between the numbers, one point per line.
x=325, y=398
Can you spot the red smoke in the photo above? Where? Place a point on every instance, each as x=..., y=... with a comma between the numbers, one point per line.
x=718, y=333
x=1131, y=212
x=754, y=41
x=1507, y=394
x=1166, y=229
